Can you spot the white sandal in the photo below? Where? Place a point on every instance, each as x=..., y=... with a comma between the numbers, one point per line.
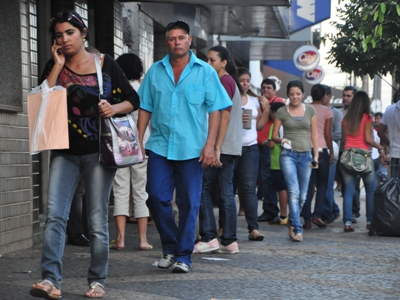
x=92, y=289
x=44, y=293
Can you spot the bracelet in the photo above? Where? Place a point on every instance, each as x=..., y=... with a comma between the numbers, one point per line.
x=380, y=150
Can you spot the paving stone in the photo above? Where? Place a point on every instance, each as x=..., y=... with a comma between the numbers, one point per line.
x=328, y=264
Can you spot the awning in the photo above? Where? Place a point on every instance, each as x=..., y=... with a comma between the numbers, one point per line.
x=209, y=18
x=224, y=2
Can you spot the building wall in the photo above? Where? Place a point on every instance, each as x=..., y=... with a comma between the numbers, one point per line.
x=23, y=177
x=146, y=40
x=138, y=33
x=15, y=162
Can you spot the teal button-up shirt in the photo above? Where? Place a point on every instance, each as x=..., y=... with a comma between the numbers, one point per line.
x=179, y=122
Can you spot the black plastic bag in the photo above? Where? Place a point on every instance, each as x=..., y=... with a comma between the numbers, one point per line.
x=386, y=220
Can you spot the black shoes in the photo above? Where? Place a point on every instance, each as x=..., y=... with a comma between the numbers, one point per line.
x=265, y=218
x=78, y=240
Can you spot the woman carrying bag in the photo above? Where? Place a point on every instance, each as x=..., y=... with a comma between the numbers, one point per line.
x=74, y=68
x=357, y=138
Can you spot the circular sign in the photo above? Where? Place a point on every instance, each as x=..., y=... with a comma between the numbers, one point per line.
x=314, y=76
x=306, y=58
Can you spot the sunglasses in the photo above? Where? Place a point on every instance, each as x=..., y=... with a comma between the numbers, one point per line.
x=67, y=15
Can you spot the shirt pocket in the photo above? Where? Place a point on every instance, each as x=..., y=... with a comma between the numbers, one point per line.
x=195, y=94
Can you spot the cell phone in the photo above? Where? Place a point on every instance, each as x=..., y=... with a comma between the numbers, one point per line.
x=59, y=51
x=314, y=163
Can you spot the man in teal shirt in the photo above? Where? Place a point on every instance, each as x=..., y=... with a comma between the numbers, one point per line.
x=177, y=94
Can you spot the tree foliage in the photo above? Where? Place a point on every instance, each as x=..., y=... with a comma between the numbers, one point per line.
x=367, y=42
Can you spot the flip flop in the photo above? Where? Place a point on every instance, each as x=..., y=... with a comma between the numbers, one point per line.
x=113, y=245
x=150, y=247
x=94, y=289
x=44, y=293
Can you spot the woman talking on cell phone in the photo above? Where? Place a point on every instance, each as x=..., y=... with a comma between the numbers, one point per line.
x=74, y=68
x=299, y=123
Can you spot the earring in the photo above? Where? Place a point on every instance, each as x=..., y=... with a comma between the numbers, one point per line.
x=84, y=40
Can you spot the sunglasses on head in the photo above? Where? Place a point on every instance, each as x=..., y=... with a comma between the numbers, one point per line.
x=67, y=15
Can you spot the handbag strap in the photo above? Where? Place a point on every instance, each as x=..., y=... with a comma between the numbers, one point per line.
x=99, y=75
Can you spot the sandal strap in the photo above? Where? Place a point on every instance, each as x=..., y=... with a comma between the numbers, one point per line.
x=94, y=284
x=51, y=285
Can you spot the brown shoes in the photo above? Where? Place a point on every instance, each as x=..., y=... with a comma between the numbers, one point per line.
x=255, y=236
x=318, y=222
x=348, y=228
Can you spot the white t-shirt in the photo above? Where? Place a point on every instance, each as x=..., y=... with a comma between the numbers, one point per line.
x=250, y=135
x=375, y=152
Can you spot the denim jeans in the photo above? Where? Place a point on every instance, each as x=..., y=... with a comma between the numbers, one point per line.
x=246, y=171
x=331, y=209
x=227, y=203
x=163, y=176
x=351, y=180
x=65, y=173
x=319, y=178
x=297, y=170
x=270, y=202
x=356, y=197
x=77, y=222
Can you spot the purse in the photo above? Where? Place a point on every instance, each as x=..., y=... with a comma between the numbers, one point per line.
x=47, y=118
x=118, y=138
x=357, y=160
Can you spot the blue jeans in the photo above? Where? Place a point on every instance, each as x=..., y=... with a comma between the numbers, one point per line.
x=77, y=222
x=356, y=198
x=163, y=176
x=65, y=173
x=331, y=209
x=319, y=178
x=270, y=203
x=351, y=180
x=246, y=171
x=227, y=203
x=297, y=170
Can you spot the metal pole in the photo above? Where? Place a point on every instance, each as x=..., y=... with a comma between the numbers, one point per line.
x=376, y=92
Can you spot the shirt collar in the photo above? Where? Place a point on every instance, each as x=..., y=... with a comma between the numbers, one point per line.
x=193, y=60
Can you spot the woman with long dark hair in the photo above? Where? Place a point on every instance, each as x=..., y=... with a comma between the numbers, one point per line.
x=228, y=147
x=246, y=167
x=74, y=68
x=357, y=133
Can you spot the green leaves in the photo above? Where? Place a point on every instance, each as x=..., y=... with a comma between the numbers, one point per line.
x=368, y=37
x=380, y=29
x=383, y=8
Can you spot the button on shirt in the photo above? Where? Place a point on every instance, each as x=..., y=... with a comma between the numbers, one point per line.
x=179, y=123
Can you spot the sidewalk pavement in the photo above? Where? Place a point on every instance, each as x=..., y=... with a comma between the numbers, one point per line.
x=328, y=264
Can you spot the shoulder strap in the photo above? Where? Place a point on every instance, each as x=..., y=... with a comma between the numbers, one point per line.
x=99, y=75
